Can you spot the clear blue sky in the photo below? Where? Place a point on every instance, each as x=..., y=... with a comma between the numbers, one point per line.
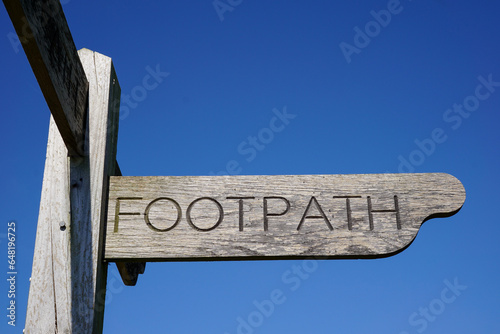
x=363, y=91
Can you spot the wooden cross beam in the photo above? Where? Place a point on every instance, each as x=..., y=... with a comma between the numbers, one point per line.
x=47, y=42
x=68, y=282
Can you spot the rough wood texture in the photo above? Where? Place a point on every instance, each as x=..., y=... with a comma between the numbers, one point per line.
x=68, y=279
x=50, y=296
x=129, y=271
x=262, y=217
x=47, y=42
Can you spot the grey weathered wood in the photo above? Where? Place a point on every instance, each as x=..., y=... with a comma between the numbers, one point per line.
x=68, y=280
x=49, y=298
x=329, y=216
x=49, y=47
x=129, y=271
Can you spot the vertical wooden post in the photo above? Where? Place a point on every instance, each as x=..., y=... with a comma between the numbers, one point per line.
x=68, y=282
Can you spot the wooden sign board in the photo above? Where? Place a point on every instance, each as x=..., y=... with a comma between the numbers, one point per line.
x=172, y=218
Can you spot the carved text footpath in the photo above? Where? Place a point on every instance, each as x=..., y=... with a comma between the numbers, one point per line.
x=313, y=202
x=164, y=218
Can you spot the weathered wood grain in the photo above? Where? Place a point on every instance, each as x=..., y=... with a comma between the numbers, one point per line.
x=67, y=291
x=129, y=271
x=104, y=108
x=259, y=217
x=49, y=298
x=49, y=47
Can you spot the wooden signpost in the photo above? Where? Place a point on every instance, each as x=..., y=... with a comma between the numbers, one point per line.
x=266, y=217
x=179, y=218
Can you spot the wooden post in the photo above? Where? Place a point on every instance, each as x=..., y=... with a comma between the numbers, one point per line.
x=68, y=282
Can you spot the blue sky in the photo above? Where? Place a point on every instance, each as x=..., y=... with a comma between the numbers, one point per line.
x=361, y=104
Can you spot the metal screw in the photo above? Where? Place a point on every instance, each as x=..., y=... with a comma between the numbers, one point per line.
x=62, y=226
